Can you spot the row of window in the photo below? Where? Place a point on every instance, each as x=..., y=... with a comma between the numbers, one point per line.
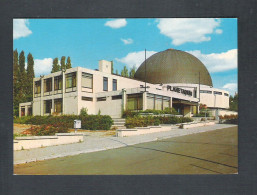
x=57, y=106
x=215, y=92
x=99, y=99
x=86, y=82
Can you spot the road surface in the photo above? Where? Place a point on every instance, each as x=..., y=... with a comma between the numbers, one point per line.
x=214, y=152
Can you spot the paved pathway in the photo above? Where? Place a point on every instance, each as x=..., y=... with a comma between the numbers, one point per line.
x=93, y=144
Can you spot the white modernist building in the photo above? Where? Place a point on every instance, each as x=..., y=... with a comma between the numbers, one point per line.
x=172, y=78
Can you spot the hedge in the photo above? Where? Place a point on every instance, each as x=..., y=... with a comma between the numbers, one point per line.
x=138, y=121
x=129, y=113
x=89, y=122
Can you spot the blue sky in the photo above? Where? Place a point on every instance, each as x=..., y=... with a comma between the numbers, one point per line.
x=213, y=41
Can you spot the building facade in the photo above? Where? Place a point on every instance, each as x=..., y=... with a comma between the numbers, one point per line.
x=100, y=91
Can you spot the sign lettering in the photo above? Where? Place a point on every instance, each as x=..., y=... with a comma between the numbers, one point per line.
x=179, y=90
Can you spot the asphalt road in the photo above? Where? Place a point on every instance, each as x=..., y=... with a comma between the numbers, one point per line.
x=214, y=152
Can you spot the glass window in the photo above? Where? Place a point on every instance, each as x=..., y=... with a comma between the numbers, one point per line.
x=205, y=91
x=47, y=106
x=105, y=84
x=58, y=83
x=87, y=80
x=114, y=84
x=116, y=97
x=150, y=101
x=226, y=94
x=217, y=93
x=58, y=105
x=166, y=102
x=37, y=87
x=158, y=102
x=135, y=102
x=71, y=80
x=48, y=85
x=101, y=99
x=87, y=98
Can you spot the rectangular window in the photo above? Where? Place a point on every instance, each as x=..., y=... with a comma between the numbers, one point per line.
x=48, y=85
x=150, y=101
x=114, y=84
x=87, y=80
x=47, y=106
x=57, y=83
x=116, y=97
x=22, y=111
x=99, y=99
x=158, y=102
x=105, y=84
x=205, y=91
x=29, y=111
x=71, y=80
x=58, y=105
x=166, y=102
x=225, y=94
x=37, y=87
x=217, y=93
x=135, y=102
x=87, y=98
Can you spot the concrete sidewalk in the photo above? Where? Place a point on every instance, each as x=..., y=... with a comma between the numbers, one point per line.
x=94, y=144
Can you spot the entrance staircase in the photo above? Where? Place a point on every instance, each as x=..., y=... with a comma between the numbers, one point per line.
x=118, y=123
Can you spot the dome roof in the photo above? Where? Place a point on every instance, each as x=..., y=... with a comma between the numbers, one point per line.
x=173, y=66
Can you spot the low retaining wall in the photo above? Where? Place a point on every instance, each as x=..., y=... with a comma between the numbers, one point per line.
x=154, y=129
x=191, y=125
x=23, y=143
x=143, y=130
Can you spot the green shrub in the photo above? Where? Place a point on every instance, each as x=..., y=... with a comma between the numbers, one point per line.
x=50, y=129
x=158, y=112
x=89, y=122
x=22, y=120
x=202, y=114
x=129, y=113
x=83, y=112
x=139, y=121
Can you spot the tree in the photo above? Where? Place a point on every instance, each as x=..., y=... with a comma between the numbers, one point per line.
x=56, y=67
x=15, y=66
x=117, y=72
x=30, y=76
x=233, y=102
x=68, y=64
x=15, y=83
x=63, y=66
x=124, y=72
x=132, y=72
x=22, y=74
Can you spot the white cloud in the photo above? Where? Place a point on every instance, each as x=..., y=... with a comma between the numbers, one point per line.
x=217, y=62
x=118, y=23
x=20, y=28
x=183, y=30
x=127, y=41
x=43, y=67
x=218, y=31
x=231, y=87
x=135, y=58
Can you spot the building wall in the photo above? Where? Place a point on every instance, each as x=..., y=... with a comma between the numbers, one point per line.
x=73, y=101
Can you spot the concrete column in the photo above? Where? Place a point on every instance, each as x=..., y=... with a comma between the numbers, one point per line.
x=79, y=75
x=124, y=99
x=63, y=91
x=26, y=110
x=171, y=102
x=52, y=93
x=41, y=96
x=19, y=110
x=144, y=100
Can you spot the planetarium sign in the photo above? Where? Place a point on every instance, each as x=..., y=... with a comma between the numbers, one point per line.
x=179, y=90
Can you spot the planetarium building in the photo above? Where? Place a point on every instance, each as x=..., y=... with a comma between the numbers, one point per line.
x=167, y=79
